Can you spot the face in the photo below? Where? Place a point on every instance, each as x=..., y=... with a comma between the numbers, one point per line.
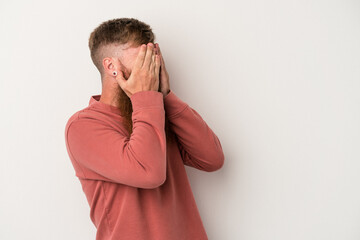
x=127, y=58
x=127, y=54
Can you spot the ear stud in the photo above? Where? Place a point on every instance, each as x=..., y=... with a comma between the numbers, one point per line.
x=114, y=73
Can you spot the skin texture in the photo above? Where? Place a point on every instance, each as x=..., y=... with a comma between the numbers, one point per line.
x=124, y=57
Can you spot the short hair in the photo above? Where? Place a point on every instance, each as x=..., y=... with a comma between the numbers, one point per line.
x=117, y=31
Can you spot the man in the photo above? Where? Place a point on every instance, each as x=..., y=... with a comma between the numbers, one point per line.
x=130, y=145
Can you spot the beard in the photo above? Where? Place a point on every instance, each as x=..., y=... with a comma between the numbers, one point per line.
x=125, y=106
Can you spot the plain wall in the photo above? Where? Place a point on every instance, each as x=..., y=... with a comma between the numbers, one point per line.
x=277, y=81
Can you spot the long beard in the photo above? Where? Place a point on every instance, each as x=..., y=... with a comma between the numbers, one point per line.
x=125, y=106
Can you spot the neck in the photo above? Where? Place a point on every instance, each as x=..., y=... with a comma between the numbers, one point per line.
x=109, y=92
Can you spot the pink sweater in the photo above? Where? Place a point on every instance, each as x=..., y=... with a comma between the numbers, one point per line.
x=136, y=186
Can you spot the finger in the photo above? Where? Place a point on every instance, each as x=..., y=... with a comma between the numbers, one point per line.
x=156, y=49
x=153, y=57
x=140, y=57
x=157, y=65
x=161, y=57
x=120, y=78
x=152, y=64
x=148, y=56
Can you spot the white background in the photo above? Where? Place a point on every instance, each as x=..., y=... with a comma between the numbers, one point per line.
x=277, y=81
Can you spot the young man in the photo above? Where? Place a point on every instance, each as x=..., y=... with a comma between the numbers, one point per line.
x=130, y=144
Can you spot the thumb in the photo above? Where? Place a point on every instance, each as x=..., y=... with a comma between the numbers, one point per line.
x=120, y=79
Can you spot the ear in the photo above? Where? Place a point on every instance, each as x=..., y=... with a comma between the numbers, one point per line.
x=108, y=65
x=111, y=64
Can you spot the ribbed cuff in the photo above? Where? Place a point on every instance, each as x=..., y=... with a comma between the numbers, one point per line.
x=147, y=99
x=173, y=104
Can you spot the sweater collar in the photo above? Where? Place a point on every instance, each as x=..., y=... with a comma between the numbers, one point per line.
x=94, y=102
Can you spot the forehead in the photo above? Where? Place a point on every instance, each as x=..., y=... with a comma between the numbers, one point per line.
x=132, y=51
x=130, y=48
x=127, y=51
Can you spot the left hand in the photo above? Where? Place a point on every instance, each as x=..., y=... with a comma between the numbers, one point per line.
x=164, y=76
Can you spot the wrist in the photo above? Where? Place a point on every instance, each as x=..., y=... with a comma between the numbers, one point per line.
x=166, y=92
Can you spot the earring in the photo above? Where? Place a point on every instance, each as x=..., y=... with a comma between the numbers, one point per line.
x=114, y=73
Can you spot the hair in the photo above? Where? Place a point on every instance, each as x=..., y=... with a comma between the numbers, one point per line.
x=121, y=31
x=117, y=31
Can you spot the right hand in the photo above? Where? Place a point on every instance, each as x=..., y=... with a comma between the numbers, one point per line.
x=145, y=73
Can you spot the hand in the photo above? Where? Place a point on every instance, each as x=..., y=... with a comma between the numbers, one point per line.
x=145, y=73
x=164, y=76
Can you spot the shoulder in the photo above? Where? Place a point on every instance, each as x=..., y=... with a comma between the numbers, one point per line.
x=86, y=115
x=91, y=119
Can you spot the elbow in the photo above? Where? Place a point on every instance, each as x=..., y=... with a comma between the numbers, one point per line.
x=155, y=173
x=159, y=182
x=156, y=177
x=217, y=163
x=155, y=181
x=218, y=157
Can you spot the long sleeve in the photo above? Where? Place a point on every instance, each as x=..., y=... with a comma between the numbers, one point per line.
x=104, y=153
x=199, y=146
